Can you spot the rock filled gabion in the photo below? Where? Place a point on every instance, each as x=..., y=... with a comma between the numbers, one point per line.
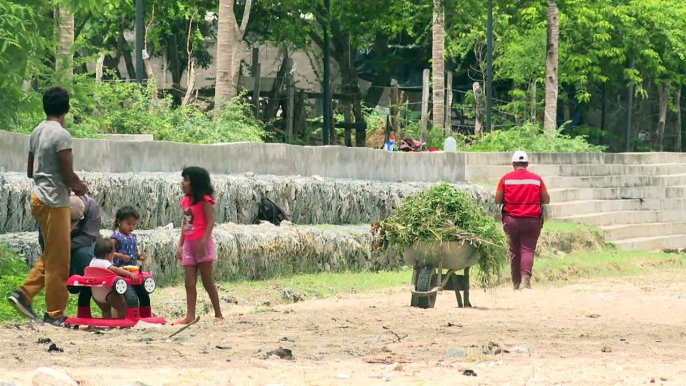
x=250, y=252
x=306, y=200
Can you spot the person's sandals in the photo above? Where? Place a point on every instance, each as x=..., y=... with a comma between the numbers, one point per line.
x=526, y=283
x=17, y=300
x=56, y=322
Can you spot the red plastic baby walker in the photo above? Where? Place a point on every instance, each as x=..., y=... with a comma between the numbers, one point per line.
x=137, y=295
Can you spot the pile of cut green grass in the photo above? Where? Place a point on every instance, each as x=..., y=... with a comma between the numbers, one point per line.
x=446, y=214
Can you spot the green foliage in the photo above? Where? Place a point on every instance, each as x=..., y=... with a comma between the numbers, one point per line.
x=127, y=108
x=531, y=138
x=442, y=214
x=20, y=49
x=13, y=273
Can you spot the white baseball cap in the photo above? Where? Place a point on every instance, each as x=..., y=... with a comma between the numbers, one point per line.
x=520, y=156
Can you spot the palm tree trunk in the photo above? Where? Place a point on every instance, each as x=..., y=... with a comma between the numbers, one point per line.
x=677, y=105
x=663, y=100
x=532, y=91
x=438, y=64
x=551, y=81
x=229, y=45
x=65, y=60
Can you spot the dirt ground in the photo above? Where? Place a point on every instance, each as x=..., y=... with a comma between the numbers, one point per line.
x=628, y=331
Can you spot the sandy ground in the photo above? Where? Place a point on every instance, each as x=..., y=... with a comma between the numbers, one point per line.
x=605, y=332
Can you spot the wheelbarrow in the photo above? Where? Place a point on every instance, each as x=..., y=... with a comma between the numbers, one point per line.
x=428, y=278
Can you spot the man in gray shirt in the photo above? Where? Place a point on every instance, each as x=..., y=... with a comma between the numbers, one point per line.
x=50, y=164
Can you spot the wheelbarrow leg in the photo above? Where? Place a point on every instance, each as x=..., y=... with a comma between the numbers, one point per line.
x=461, y=285
x=466, y=288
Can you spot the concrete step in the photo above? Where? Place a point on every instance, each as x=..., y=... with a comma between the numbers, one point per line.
x=626, y=217
x=577, y=158
x=657, y=243
x=624, y=181
x=630, y=231
x=590, y=194
x=477, y=173
x=573, y=208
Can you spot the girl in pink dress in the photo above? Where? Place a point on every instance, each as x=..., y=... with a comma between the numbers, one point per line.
x=196, y=247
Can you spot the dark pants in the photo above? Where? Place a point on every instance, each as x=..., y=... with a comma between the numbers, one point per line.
x=80, y=259
x=523, y=233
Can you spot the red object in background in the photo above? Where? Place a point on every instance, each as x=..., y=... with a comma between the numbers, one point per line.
x=99, y=277
x=433, y=149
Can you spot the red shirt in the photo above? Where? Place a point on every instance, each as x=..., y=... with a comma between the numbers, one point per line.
x=522, y=193
x=195, y=222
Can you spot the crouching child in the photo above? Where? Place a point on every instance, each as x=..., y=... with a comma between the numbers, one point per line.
x=107, y=298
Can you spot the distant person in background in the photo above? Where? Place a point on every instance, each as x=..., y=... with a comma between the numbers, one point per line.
x=50, y=164
x=522, y=195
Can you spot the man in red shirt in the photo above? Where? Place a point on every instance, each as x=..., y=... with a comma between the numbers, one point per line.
x=522, y=195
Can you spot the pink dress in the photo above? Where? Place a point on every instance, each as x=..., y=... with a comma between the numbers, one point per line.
x=194, y=227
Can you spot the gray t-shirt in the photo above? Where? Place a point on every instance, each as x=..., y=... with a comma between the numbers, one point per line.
x=46, y=141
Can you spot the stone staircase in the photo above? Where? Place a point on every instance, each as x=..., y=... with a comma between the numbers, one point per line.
x=639, y=200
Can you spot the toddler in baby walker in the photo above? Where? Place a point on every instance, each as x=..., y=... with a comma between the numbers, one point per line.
x=106, y=298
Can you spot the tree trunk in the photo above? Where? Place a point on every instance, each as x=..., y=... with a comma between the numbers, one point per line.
x=130, y=66
x=479, y=118
x=175, y=66
x=229, y=45
x=65, y=61
x=677, y=105
x=551, y=81
x=383, y=75
x=438, y=63
x=532, y=90
x=603, y=108
x=343, y=54
x=663, y=96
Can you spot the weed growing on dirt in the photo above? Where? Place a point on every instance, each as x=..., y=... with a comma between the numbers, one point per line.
x=444, y=214
x=13, y=271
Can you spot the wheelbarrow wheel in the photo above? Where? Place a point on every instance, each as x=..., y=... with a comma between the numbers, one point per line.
x=424, y=280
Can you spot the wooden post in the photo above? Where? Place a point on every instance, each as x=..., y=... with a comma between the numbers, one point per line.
x=348, y=118
x=299, y=117
x=394, y=111
x=425, y=103
x=275, y=94
x=290, y=106
x=255, y=72
x=479, y=120
x=449, y=103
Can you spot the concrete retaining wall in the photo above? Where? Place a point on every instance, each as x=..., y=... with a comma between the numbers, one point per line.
x=116, y=156
x=274, y=159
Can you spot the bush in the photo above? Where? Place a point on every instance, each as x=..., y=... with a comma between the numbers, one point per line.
x=127, y=108
x=530, y=138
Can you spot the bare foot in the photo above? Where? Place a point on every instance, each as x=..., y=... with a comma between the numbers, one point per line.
x=183, y=321
x=219, y=319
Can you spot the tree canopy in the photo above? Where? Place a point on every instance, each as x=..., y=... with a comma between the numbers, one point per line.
x=607, y=49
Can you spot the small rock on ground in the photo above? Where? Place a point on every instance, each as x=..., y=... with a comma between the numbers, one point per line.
x=456, y=353
x=46, y=376
x=137, y=383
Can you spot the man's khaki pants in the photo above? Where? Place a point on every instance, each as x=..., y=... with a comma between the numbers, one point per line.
x=52, y=268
